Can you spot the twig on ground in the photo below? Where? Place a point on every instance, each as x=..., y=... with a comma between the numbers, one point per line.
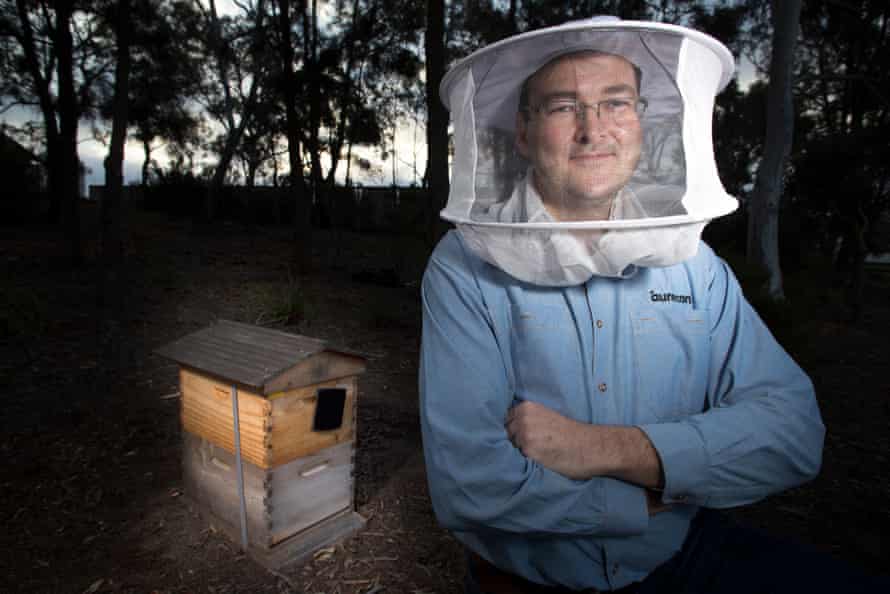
x=290, y=583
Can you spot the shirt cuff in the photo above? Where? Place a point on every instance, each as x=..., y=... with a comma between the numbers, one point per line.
x=683, y=460
x=626, y=509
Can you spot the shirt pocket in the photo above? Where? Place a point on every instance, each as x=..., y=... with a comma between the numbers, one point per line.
x=669, y=362
x=546, y=353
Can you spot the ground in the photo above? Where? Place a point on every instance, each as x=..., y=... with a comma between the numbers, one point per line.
x=91, y=495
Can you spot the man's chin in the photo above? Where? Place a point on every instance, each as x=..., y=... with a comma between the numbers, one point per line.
x=595, y=195
x=582, y=207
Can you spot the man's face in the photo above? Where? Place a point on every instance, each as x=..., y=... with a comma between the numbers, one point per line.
x=581, y=161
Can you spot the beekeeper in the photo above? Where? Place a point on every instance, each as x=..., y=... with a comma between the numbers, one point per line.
x=592, y=380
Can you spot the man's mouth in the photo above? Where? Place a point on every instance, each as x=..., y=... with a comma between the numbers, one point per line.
x=593, y=156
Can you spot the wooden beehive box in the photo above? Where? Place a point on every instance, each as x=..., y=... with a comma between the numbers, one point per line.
x=296, y=401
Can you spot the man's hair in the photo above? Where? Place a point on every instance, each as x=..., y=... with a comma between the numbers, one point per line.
x=523, y=90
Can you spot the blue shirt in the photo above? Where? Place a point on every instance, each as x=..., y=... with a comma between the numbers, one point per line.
x=675, y=351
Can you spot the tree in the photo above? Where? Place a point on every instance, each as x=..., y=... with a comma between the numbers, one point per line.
x=335, y=83
x=53, y=63
x=437, y=117
x=763, y=212
x=165, y=55
x=288, y=83
x=841, y=172
x=370, y=69
x=113, y=235
x=236, y=72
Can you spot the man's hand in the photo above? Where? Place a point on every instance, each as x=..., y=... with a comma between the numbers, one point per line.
x=549, y=438
x=580, y=450
x=654, y=505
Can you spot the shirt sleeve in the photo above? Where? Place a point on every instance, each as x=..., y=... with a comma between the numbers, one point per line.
x=762, y=432
x=478, y=480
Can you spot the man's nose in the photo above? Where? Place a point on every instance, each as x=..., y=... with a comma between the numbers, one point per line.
x=588, y=124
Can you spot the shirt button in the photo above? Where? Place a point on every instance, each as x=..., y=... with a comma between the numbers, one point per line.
x=599, y=323
x=602, y=387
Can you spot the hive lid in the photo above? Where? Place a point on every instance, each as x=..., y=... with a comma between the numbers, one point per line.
x=261, y=358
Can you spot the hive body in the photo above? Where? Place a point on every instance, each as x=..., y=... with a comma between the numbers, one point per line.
x=296, y=427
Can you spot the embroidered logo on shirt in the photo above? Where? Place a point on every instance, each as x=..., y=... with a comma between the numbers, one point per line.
x=669, y=297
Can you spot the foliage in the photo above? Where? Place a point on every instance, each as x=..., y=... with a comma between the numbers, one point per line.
x=841, y=169
x=92, y=54
x=164, y=49
x=276, y=302
x=56, y=54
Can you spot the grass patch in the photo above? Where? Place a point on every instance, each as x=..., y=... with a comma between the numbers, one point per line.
x=276, y=303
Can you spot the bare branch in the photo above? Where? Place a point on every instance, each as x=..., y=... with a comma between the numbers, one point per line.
x=13, y=104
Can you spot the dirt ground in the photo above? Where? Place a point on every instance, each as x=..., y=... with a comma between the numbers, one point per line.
x=91, y=497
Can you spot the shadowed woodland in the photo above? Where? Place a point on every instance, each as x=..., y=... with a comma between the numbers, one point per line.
x=273, y=191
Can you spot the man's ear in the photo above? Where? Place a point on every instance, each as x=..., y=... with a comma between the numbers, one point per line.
x=522, y=134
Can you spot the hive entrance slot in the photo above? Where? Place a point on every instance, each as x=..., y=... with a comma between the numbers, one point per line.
x=329, y=409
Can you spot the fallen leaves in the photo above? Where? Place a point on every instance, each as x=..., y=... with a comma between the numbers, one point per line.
x=324, y=554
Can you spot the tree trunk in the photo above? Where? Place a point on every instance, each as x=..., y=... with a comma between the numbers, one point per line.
x=234, y=132
x=318, y=191
x=312, y=77
x=763, y=216
x=345, y=115
x=302, y=206
x=68, y=120
x=348, y=180
x=437, y=123
x=113, y=224
x=55, y=187
x=146, y=147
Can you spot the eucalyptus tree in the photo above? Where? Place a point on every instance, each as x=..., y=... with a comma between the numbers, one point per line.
x=287, y=81
x=53, y=58
x=360, y=72
x=166, y=53
x=435, y=54
x=235, y=75
x=334, y=76
x=118, y=18
x=763, y=217
x=259, y=147
x=841, y=168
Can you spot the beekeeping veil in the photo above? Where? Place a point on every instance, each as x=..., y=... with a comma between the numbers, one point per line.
x=526, y=178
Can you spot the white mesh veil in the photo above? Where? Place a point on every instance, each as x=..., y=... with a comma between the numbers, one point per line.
x=583, y=149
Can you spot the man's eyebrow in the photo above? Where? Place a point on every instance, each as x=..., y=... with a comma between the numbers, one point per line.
x=560, y=95
x=611, y=90
x=619, y=89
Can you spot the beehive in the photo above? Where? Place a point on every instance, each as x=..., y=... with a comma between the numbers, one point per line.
x=296, y=399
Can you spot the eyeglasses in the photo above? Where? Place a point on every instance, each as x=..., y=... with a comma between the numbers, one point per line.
x=620, y=110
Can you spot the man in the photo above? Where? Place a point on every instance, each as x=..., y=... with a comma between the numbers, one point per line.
x=573, y=434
